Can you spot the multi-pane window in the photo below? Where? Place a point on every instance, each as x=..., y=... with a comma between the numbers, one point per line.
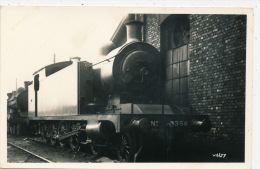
x=175, y=47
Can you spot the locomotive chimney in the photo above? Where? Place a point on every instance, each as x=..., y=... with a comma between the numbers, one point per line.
x=9, y=95
x=119, y=37
x=133, y=30
x=26, y=84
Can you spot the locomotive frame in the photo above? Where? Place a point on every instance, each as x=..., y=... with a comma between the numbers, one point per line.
x=112, y=105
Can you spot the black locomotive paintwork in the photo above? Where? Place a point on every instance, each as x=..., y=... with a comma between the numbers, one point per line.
x=183, y=123
x=115, y=103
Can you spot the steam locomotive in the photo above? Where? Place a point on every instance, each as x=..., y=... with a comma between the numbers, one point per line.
x=114, y=105
x=17, y=109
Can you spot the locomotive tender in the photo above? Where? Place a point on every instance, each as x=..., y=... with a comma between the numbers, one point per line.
x=113, y=105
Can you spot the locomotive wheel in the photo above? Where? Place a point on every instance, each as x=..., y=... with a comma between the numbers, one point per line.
x=74, y=143
x=126, y=147
x=62, y=144
x=169, y=145
x=18, y=129
x=44, y=138
x=44, y=132
x=94, y=149
x=62, y=130
x=14, y=129
x=53, y=135
x=53, y=139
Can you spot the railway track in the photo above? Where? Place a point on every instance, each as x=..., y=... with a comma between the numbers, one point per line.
x=31, y=153
x=54, y=153
x=35, y=140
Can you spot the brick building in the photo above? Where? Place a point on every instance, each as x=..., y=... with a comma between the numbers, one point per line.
x=205, y=63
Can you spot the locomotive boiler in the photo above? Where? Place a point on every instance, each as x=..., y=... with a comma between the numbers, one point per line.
x=114, y=105
x=17, y=109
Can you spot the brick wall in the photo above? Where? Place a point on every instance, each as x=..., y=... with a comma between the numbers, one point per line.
x=152, y=30
x=217, y=80
x=217, y=77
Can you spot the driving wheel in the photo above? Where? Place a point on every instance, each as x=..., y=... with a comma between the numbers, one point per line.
x=126, y=147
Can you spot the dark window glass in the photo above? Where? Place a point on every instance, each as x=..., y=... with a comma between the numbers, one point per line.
x=168, y=72
x=184, y=100
x=175, y=56
x=184, y=84
x=183, y=53
x=175, y=70
x=175, y=86
x=169, y=57
x=175, y=100
x=180, y=53
x=175, y=41
x=184, y=68
x=168, y=87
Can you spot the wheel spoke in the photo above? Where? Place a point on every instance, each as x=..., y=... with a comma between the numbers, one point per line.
x=74, y=143
x=126, y=147
x=62, y=128
x=94, y=149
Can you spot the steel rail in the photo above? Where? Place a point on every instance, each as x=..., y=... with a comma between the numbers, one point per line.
x=35, y=140
x=29, y=152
